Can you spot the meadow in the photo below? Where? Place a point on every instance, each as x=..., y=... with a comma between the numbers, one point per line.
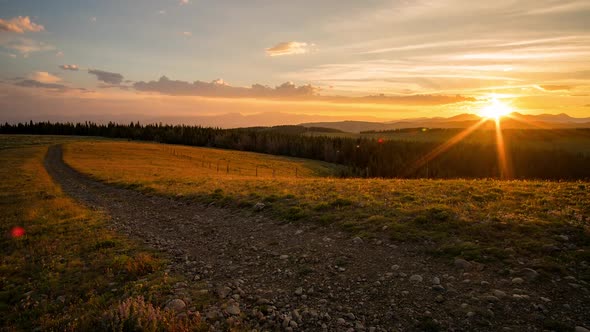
x=490, y=221
x=61, y=267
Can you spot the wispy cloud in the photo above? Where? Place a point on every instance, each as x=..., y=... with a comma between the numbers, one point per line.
x=561, y=7
x=187, y=33
x=288, y=48
x=25, y=46
x=20, y=24
x=28, y=83
x=184, y=2
x=555, y=87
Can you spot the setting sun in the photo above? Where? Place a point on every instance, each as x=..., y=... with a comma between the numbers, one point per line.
x=496, y=109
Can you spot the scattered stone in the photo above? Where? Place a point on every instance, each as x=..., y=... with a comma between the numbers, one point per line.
x=283, y=257
x=299, y=291
x=462, y=264
x=438, y=288
x=529, y=274
x=357, y=240
x=517, y=281
x=498, y=293
x=563, y=237
x=470, y=314
x=259, y=206
x=175, y=305
x=439, y=298
x=212, y=314
x=60, y=298
x=299, y=231
x=416, y=278
x=490, y=298
x=341, y=321
x=581, y=329
x=224, y=292
x=233, y=309
x=395, y=267
x=436, y=280
x=519, y=296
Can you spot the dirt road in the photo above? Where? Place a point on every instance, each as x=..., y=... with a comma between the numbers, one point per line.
x=272, y=275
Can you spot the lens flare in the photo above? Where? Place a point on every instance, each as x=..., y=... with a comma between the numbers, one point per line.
x=17, y=232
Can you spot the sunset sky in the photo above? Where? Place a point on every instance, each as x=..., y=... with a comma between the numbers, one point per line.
x=373, y=60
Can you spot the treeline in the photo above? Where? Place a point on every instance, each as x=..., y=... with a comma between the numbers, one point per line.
x=366, y=157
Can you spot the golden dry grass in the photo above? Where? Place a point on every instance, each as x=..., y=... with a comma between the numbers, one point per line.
x=68, y=269
x=473, y=218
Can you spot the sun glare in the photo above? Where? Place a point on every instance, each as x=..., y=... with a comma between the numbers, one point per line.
x=496, y=109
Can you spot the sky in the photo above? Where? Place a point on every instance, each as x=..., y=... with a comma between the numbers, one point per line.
x=273, y=61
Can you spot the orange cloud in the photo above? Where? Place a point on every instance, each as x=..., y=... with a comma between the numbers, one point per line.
x=288, y=48
x=20, y=24
x=550, y=87
x=44, y=77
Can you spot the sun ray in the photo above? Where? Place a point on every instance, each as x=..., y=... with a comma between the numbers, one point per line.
x=505, y=169
x=444, y=147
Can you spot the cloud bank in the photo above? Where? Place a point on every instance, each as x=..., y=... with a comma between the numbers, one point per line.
x=288, y=91
x=218, y=88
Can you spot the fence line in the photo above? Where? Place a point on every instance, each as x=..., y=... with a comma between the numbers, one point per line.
x=206, y=163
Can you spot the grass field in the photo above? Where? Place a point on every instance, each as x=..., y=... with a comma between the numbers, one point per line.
x=68, y=272
x=484, y=220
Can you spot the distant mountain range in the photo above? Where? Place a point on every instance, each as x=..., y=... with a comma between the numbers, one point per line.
x=269, y=119
x=513, y=121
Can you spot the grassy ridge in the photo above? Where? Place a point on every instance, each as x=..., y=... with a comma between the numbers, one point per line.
x=484, y=220
x=68, y=272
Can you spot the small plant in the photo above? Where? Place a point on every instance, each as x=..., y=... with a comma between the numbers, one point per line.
x=135, y=314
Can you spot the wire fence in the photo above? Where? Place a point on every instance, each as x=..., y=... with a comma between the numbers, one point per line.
x=225, y=166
